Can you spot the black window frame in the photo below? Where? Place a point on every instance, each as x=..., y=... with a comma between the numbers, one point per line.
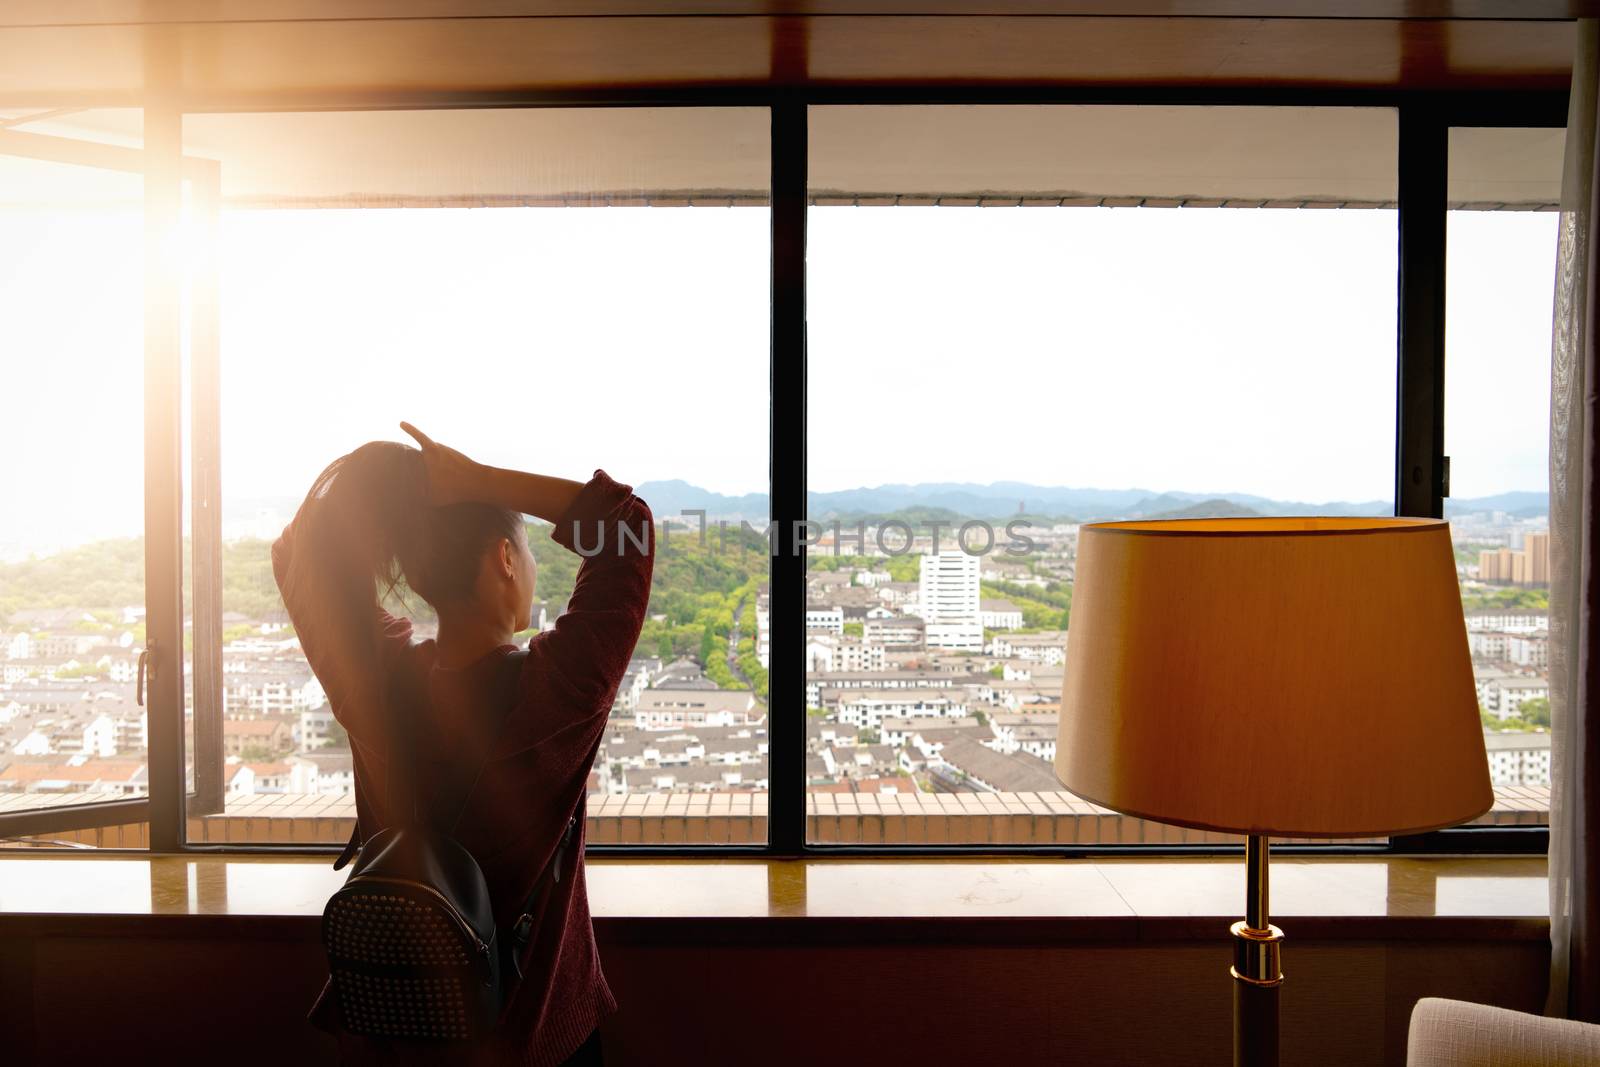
x=1424, y=120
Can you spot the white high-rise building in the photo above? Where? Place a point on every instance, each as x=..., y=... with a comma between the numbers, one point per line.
x=947, y=600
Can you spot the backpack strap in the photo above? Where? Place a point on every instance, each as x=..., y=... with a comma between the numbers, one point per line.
x=351, y=847
x=573, y=822
x=522, y=929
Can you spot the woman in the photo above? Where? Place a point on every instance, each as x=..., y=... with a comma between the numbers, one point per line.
x=453, y=530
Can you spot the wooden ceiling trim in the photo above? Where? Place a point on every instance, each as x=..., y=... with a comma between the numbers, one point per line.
x=336, y=62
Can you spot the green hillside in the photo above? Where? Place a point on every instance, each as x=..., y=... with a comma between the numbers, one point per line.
x=696, y=589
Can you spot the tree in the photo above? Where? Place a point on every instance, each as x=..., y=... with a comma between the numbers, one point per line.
x=82, y=670
x=1515, y=598
x=338, y=736
x=717, y=668
x=905, y=567
x=1536, y=710
x=664, y=646
x=853, y=629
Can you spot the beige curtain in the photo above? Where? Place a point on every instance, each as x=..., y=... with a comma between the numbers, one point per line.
x=1575, y=723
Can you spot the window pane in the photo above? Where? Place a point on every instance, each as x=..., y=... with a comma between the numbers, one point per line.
x=72, y=530
x=1505, y=185
x=548, y=290
x=1025, y=318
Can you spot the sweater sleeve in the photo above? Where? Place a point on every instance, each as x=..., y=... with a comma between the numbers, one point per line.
x=350, y=670
x=582, y=659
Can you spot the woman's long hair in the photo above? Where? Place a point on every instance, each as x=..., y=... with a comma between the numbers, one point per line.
x=365, y=526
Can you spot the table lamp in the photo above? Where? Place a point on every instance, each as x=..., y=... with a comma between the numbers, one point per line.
x=1280, y=677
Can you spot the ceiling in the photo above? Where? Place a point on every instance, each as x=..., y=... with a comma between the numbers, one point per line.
x=279, y=53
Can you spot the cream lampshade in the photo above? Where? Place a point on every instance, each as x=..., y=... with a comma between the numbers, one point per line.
x=1304, y=677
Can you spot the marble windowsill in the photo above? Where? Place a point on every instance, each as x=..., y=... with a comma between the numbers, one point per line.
x=1137, y=899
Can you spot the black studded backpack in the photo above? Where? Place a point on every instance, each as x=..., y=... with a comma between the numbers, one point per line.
x=412, y=946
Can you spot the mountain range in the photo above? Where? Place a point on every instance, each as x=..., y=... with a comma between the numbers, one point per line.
x=264, y=516
x=998, y=500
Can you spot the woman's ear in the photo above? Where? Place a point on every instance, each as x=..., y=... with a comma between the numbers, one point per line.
x=508, y=558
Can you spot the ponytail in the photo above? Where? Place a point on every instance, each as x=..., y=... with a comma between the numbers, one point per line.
x=366, y=525
x=350, y=530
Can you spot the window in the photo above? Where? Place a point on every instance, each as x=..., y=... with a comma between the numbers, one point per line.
x=1018, y=319
x=73, y=735
x=1025, y=318
x=1504, y=189
x=545, y=289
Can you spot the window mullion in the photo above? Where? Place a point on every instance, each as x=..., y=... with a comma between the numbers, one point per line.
x=205, y=390
x=786, y=676
x=163, y=490
x=1419, y=436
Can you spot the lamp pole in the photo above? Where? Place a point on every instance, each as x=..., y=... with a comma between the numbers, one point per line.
x=1257, y=969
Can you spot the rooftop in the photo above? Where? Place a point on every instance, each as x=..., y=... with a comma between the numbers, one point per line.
x=1020, y=771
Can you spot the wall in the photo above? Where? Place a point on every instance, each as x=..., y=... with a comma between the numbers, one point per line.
x=776, y=991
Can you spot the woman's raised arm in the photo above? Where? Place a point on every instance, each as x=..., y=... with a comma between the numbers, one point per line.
x=587, y=650
x=454, y=479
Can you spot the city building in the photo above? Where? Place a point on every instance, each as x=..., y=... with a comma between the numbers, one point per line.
x=1489, y=644
x=824, y=687
x=240, y=736
x=662, y=709
x=825, y=617
x=1033, y=734
x=1519, y=758
x=848, y=654
x=869, y=708
x=1503, y=696
x=1048, y=647
x=252, y=687
x=1529, y=650
x=896, y=632
x=899, y=732
x=999, y=615
x=75, y=774
x=1508, y=621
x=948, y=601
x=972, y=765
x=316, y=727
x=1528, y=566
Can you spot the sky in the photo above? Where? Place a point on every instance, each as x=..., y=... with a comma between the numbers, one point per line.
x=1201, y=350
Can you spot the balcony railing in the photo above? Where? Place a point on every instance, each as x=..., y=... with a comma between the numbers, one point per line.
x=741, y=819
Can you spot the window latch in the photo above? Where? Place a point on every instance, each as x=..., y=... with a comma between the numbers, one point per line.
x=144, y=668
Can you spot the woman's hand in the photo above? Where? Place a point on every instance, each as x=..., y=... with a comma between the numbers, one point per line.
x=452, y=478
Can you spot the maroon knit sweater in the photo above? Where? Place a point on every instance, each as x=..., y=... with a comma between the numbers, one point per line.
x=537, y=771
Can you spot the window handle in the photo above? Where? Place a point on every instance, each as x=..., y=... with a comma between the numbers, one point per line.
x=144, y=666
